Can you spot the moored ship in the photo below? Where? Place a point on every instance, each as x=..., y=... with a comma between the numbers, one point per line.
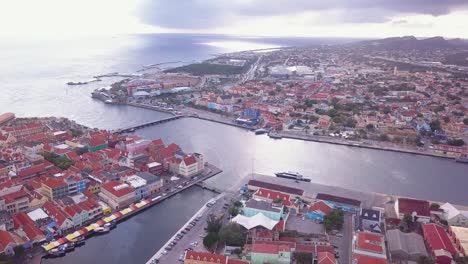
x=292, y=175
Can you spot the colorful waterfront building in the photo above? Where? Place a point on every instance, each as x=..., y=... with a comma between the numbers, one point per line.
x=274, y=253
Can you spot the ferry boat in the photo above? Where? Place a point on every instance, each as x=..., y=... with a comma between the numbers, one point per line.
x=292, y=175
x=275, y=135
x=260, y=131
x=462, y=158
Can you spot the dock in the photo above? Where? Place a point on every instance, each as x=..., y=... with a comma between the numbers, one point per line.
x=123, y=214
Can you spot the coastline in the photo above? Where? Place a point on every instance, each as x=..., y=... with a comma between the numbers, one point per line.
x=295, y=136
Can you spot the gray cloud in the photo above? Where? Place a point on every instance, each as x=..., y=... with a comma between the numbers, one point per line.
x=200, y=14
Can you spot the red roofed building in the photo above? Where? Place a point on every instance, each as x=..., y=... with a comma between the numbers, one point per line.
x=36, y=170
x=17, y=201
x=363, y=259
x=7, y=243
x=117, y=194
x=63, y=222
x=272, y=252
x=25, y=130
x=25, y=227
x=439, y=244
x=188, y=166
x=369, y=244
x=319, y=210
x=419, y=209
x=194, y=257
x=326, y=258
x=54, y=188
x=270, y=195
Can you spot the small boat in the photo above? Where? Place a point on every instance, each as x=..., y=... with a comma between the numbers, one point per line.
x=462, y=158
x=55, y=253
x=292, y=175
x=275, y=135
x=102, y=230
x=111, y=224
x=68, y=247
x=260, y=131
x=78, y=241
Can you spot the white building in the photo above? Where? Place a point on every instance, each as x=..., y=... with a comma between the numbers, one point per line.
x=454, y=216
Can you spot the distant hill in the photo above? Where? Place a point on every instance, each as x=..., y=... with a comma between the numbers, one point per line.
x=412, y=43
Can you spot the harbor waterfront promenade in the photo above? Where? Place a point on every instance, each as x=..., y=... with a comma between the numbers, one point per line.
x=212, y=117
x=123, y=214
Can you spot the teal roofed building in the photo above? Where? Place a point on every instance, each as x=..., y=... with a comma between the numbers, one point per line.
x=274, y=212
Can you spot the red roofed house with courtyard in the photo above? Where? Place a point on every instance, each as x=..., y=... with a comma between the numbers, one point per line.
x=419, y=209
x=369, y=244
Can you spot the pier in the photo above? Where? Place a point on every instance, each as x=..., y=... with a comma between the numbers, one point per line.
x=148, y=124
x=123, y=214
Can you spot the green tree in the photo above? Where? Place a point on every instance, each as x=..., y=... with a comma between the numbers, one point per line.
x=461, y=260
x=465, y=121
x=370, y=127
x=387, y=110
x=233, y=235
x=233, y=211
x=350, y=122
x=456, y=142
x=384, y=137
x=303, y=258
x=435, y=125
x=425, y=260
x=214, y=223
x=210, y=240
x=435, y=206
x=334, y=220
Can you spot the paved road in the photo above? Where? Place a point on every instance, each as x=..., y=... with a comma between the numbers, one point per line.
x=344, y=243
x=196, y=234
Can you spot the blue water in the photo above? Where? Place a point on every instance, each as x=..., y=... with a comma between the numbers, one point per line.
x=34, y=73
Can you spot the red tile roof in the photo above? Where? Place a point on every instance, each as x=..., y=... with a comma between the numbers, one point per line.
x=437, y=238
x=21, y=219
x=55, y=213
x=320, y=206
x=189, y=160
x=206, y=257
x=370, y=242
x=97, y=141
x=5, y=240
x=11, y=197
x=361, y=259
x=118, y=192
x=54, y=183
x=271, y=248
x=408, y=206
x=33, y=233
x=326, y=258
x=270, y=194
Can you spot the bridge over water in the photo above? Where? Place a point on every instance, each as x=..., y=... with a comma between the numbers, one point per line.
x=148, y=124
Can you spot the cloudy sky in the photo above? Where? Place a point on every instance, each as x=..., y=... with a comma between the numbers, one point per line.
x=333, y=18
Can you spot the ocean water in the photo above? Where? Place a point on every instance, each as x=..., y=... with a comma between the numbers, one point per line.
x=34, y=73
